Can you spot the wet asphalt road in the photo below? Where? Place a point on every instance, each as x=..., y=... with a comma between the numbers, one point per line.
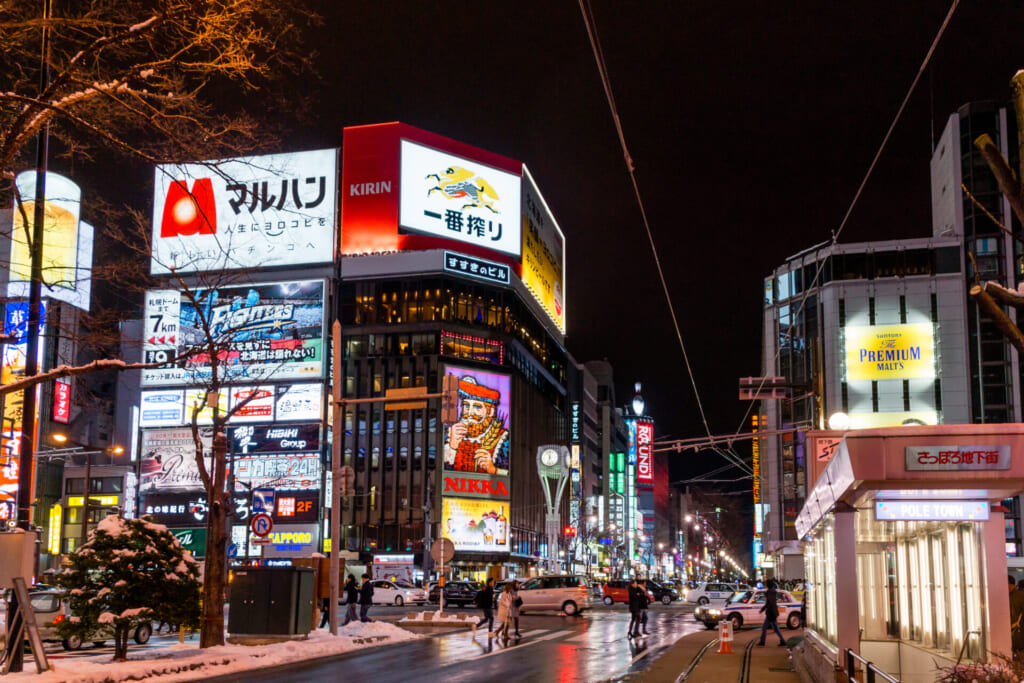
x=592, y=647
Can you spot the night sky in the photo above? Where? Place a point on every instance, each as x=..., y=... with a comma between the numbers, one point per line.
x=750, y=125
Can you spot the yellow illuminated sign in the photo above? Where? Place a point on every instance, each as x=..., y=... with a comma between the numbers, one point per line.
x=53, y=540
x=878, y=352
x=543, y=253
x=77, y=501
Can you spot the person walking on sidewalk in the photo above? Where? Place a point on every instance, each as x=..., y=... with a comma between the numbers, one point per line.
x=517, y=602
x=365, y=598
x=351, y=598
x=635, y=607
x=645, y=602
x=485, y=601
x=771, y=614
x=504, y=612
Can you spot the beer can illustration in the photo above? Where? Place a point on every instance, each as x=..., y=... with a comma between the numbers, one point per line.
x=60, y=229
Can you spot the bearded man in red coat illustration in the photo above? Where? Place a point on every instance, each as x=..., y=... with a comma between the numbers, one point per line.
x=479, y=441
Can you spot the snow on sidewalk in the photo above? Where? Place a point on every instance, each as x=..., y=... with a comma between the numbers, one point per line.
x=189, y=663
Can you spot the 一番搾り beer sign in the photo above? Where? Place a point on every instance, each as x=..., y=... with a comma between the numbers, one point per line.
x=877, y=352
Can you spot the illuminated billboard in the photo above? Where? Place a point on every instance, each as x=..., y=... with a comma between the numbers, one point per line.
x=407, y=189
x=640, y=446
x=168, y=460
x=878, y=352
x=475, y=525
x=459, y=199
x=543, y=253
x=67, y=242
x=248, y=212
x=282, y=403
x=477, y=447
x=271, y=331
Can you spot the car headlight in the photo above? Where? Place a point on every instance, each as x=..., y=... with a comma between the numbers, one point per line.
x=714, y=611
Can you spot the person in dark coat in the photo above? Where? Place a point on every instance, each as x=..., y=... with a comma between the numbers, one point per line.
x=1016, y=621
x=635, y=609
x=485, y=601
x=365, y=598
x=771, y=615
x=645, y=602
x=351, y=598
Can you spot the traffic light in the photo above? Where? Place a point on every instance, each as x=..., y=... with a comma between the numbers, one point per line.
x=450, y=400
x=570, y=531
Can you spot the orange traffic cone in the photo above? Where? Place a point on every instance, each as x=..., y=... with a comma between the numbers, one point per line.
x=725, y=637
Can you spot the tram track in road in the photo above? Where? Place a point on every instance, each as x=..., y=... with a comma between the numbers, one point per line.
x=744, y=676
x=695, y=662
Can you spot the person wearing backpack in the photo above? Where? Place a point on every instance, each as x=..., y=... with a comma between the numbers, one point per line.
x=485, y=600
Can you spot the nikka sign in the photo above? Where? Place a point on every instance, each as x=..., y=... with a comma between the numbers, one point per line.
x=645, y=452
x=470, y=485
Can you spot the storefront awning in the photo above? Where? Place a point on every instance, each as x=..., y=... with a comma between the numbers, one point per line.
x=947, y=462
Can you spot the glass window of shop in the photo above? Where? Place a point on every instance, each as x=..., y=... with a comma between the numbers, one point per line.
x=920, y=582
x=820, y=565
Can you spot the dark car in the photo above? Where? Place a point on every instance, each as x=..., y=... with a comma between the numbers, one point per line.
x=455, y=593
x=663, y=593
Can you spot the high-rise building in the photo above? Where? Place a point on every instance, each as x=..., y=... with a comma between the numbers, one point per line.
x=968, y=205
x=874, y=333
x=437, y=258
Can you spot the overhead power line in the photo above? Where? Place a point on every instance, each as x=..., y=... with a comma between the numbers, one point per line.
x=595, y=44
x=860, y=188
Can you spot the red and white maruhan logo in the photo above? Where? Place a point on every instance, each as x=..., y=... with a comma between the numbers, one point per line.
x=189, y=213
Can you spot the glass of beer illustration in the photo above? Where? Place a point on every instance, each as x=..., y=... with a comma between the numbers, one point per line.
x=60, y=229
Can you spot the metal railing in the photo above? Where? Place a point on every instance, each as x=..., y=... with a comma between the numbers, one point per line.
x=967, y=640
x=871, y=672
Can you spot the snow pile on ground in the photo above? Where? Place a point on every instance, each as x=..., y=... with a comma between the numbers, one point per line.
x=189, y=663
x=435, y=619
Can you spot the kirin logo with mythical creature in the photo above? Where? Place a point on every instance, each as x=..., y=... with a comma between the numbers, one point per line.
x=460, y=183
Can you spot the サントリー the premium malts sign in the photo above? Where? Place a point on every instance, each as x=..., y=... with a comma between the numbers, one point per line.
x=878, y=352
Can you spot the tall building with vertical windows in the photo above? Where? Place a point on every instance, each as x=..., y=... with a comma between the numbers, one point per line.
x=967, y=204
x=437, y=258
x=875, y=332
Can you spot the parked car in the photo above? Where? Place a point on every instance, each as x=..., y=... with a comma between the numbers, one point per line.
x=455, y=593
x=51, y=609
x=616, y=590
x=397, y=593
x=706, y=592
x=663, y=593
x=744, y=609
x=566, y=593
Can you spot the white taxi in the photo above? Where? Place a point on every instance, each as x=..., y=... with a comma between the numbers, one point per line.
x=397, y=593
x=744, y=609
x=706, y=592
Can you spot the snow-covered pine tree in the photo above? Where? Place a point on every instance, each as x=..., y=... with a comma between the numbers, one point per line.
x=130, y=573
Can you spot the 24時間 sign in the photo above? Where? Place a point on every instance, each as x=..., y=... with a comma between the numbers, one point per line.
x=271, y=331
x=251, y=212
x=957, y=458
